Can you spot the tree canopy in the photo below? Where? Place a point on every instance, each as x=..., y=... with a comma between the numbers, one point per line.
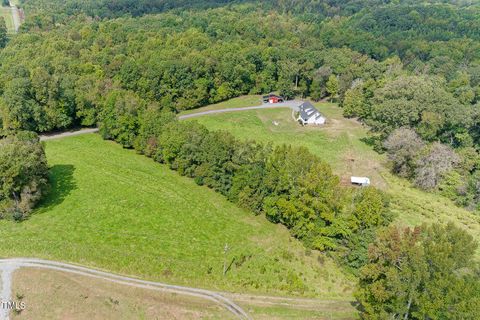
x=23, y=174
x=424, y=273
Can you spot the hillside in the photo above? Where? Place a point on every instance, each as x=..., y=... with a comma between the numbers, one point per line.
x=112, y=209
x=340, y=144
x=250, y=203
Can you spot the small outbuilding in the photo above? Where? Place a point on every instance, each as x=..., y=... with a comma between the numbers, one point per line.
x=272, y=98
x=360, y=181
x=309, y=115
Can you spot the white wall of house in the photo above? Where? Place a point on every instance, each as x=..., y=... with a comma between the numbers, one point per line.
x=315, y=120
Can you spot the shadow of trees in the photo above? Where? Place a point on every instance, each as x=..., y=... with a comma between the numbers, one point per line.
x=62, y=184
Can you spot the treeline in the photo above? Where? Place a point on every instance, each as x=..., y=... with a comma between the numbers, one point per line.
x=412, y=32
x=181, y=61
x=429, y=83
x=428, y=272
x=287, y=184
x=424, y=108
x=429, y=128
x=60, y=9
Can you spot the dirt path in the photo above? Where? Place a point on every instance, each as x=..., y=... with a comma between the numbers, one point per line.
x=289, y=104
x=11, y=264
x=46, y=137
x=291, y=302
x=15, y=16
x=6, y=292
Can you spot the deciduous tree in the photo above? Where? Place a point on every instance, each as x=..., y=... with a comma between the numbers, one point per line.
x=424, y=273
x=23, y=174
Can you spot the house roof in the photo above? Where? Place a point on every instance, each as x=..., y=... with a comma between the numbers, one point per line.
x=307, y=111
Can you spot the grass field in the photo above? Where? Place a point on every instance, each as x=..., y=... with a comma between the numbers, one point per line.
x=6, y=13
x=240, y=102
x=81, y=297
x=57, y=295
x=113, y=209
x=339, y=143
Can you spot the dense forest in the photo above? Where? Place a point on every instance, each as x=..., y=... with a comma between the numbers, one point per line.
x=410, y=70
x=110, y=8
x=393, y=65
x=396, y=66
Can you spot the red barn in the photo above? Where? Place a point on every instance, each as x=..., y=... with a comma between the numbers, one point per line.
x=272, y=98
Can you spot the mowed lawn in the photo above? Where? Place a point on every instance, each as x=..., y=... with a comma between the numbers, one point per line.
x=112, y=209
x=6, y=13
x=339, y=143
x=239, y=102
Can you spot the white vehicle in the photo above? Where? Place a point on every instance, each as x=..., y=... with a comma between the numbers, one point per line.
x=360, y=181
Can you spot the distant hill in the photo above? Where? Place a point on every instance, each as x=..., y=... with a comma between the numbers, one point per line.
x=116, y=8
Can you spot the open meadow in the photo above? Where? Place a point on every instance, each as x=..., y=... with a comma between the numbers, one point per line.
x=340, y=144
x=112, y=209
x=6, y=13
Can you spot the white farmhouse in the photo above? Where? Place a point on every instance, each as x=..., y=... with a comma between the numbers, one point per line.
x=309, y=115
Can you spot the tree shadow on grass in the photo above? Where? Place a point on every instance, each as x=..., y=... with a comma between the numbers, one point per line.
x=62, y=184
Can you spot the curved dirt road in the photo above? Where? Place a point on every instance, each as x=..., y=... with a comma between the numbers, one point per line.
x=47, y=137
x=289, y=104
x=6, y=265
x=15, y=17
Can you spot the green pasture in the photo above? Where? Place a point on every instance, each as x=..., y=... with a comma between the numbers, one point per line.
x=340, y=144
x=6, y=13
x=112, y=209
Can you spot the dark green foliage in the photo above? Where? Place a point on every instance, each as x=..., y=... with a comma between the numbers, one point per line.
x=151, y=122
x=180, y=61
x=3, y=33
x=414, y=29
x=186, y=59
x=414, y=102
x=38, y=101
x=115, y=8
x=425, y=273
x=287, y=184
x=368, y=214
x=305, y=196
x=369, y=209
x=23, y=174
x=119, y=119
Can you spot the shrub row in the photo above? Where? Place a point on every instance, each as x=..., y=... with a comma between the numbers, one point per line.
x=288, y=184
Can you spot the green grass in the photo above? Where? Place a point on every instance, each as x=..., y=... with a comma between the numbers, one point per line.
x=243, y=101
x=261, y=308
x=6, y=13
x=339, y=143
x=113, y=209
x=280, y=312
